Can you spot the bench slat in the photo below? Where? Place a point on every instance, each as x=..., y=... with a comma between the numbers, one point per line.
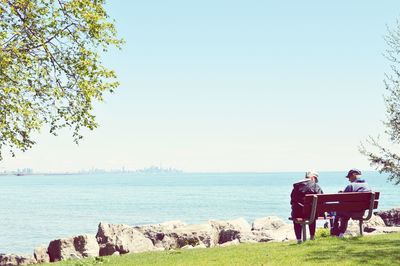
x=346, y=197
x=339, y=206
x=340, y=202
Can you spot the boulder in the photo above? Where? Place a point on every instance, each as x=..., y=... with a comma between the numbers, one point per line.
x=76, y=247
x=231, y=230
x=375, y=221
x=230, y=243
x=15, y=260
x=353, y=228
x=374, y=225
x=268, y=223
x=193, y=235
x=387, y=229
x=271, y=228
x=390, y=217
x=157, y=233
x=257, y=236
x=161, y=227
x=41, y=255
x=165, y=242
x=122, y=238
x=201, y=245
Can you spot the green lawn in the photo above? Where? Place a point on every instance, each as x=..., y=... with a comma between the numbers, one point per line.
x=371, y=250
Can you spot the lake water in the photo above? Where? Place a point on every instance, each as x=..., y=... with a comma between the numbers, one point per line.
x=37, y=209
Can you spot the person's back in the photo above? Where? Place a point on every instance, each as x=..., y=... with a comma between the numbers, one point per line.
x=356, y=185
x=300, y=189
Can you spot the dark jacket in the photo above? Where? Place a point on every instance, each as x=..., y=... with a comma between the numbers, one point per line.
x=358, y=185
x=300, y=189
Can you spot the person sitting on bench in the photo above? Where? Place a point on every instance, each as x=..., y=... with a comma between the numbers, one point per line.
x=356, y=185
x=306, y=186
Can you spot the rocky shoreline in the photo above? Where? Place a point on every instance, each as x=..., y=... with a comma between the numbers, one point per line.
x=118, y=239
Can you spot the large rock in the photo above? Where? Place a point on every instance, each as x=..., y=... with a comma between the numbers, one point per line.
x=193, y=235
x=122, y=238
x=370, y=226
x=281, y=234
x=15, y=260
x=268, y=223
x=157, y=233
x=390, y=217
x=230, y=243
x=257, y=236
x=76, y=247
x=353, y=228
x=270, y=228
x=375, y=221
x=161, y=227
x=231, y=230
x=41, y=255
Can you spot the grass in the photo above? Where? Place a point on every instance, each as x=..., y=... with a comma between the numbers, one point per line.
x=371, y=250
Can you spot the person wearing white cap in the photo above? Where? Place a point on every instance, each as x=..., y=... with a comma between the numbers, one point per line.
x=308, y=185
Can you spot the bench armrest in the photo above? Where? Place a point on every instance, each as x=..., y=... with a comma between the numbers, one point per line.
x=371, y=207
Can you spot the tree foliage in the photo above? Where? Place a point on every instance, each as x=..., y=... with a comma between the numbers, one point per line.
x=50, y=67
x=386, y=158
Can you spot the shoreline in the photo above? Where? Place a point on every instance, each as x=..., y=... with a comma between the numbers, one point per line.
x=119, y=239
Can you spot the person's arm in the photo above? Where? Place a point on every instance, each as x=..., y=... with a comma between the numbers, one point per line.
x=292, y=197
x=349, y=188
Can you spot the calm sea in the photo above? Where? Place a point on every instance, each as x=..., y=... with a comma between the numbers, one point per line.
x=37, y=209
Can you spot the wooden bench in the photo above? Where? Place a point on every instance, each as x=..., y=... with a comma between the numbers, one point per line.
x=317, y=205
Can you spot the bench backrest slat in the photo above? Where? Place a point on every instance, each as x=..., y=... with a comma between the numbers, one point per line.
x=346, y=202
x=335, y=207
x=346, y=197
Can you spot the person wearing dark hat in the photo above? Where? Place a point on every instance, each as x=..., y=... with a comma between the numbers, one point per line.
x=308, y=185
x=356, y=185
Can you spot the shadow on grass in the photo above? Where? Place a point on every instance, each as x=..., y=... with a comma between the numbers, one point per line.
x=358, y=251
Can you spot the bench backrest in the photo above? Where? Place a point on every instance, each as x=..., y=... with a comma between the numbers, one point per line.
x=348, y=202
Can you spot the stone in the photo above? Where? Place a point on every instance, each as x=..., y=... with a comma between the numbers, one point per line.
x=77, y=247
x=15, y=260
x=201, y=245
x=374, y=222
x=187, y=247
x=231, y=230
x=193, y=235
x=353, y=228
x=370, y=226
x=271, y=228
x=268, y=223
x=116, y=253
x=230, y=243
x=161, y=227
x=390, y=217
x=122, y=238
x=387, y=229
x=285, y=233
x=157, y=233
x=41, y=255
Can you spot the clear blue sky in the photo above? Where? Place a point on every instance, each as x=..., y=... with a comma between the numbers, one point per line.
x=235, y=86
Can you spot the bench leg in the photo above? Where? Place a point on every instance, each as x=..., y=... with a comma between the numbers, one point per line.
x=303, y=226
x=360, y=222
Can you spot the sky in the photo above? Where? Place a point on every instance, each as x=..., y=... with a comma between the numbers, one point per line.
x=236, y=86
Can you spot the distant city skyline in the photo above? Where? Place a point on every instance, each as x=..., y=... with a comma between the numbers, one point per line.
x=234, y=86
x=149, y=169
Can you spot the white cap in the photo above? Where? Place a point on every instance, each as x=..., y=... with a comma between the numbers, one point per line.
x=311, y=173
